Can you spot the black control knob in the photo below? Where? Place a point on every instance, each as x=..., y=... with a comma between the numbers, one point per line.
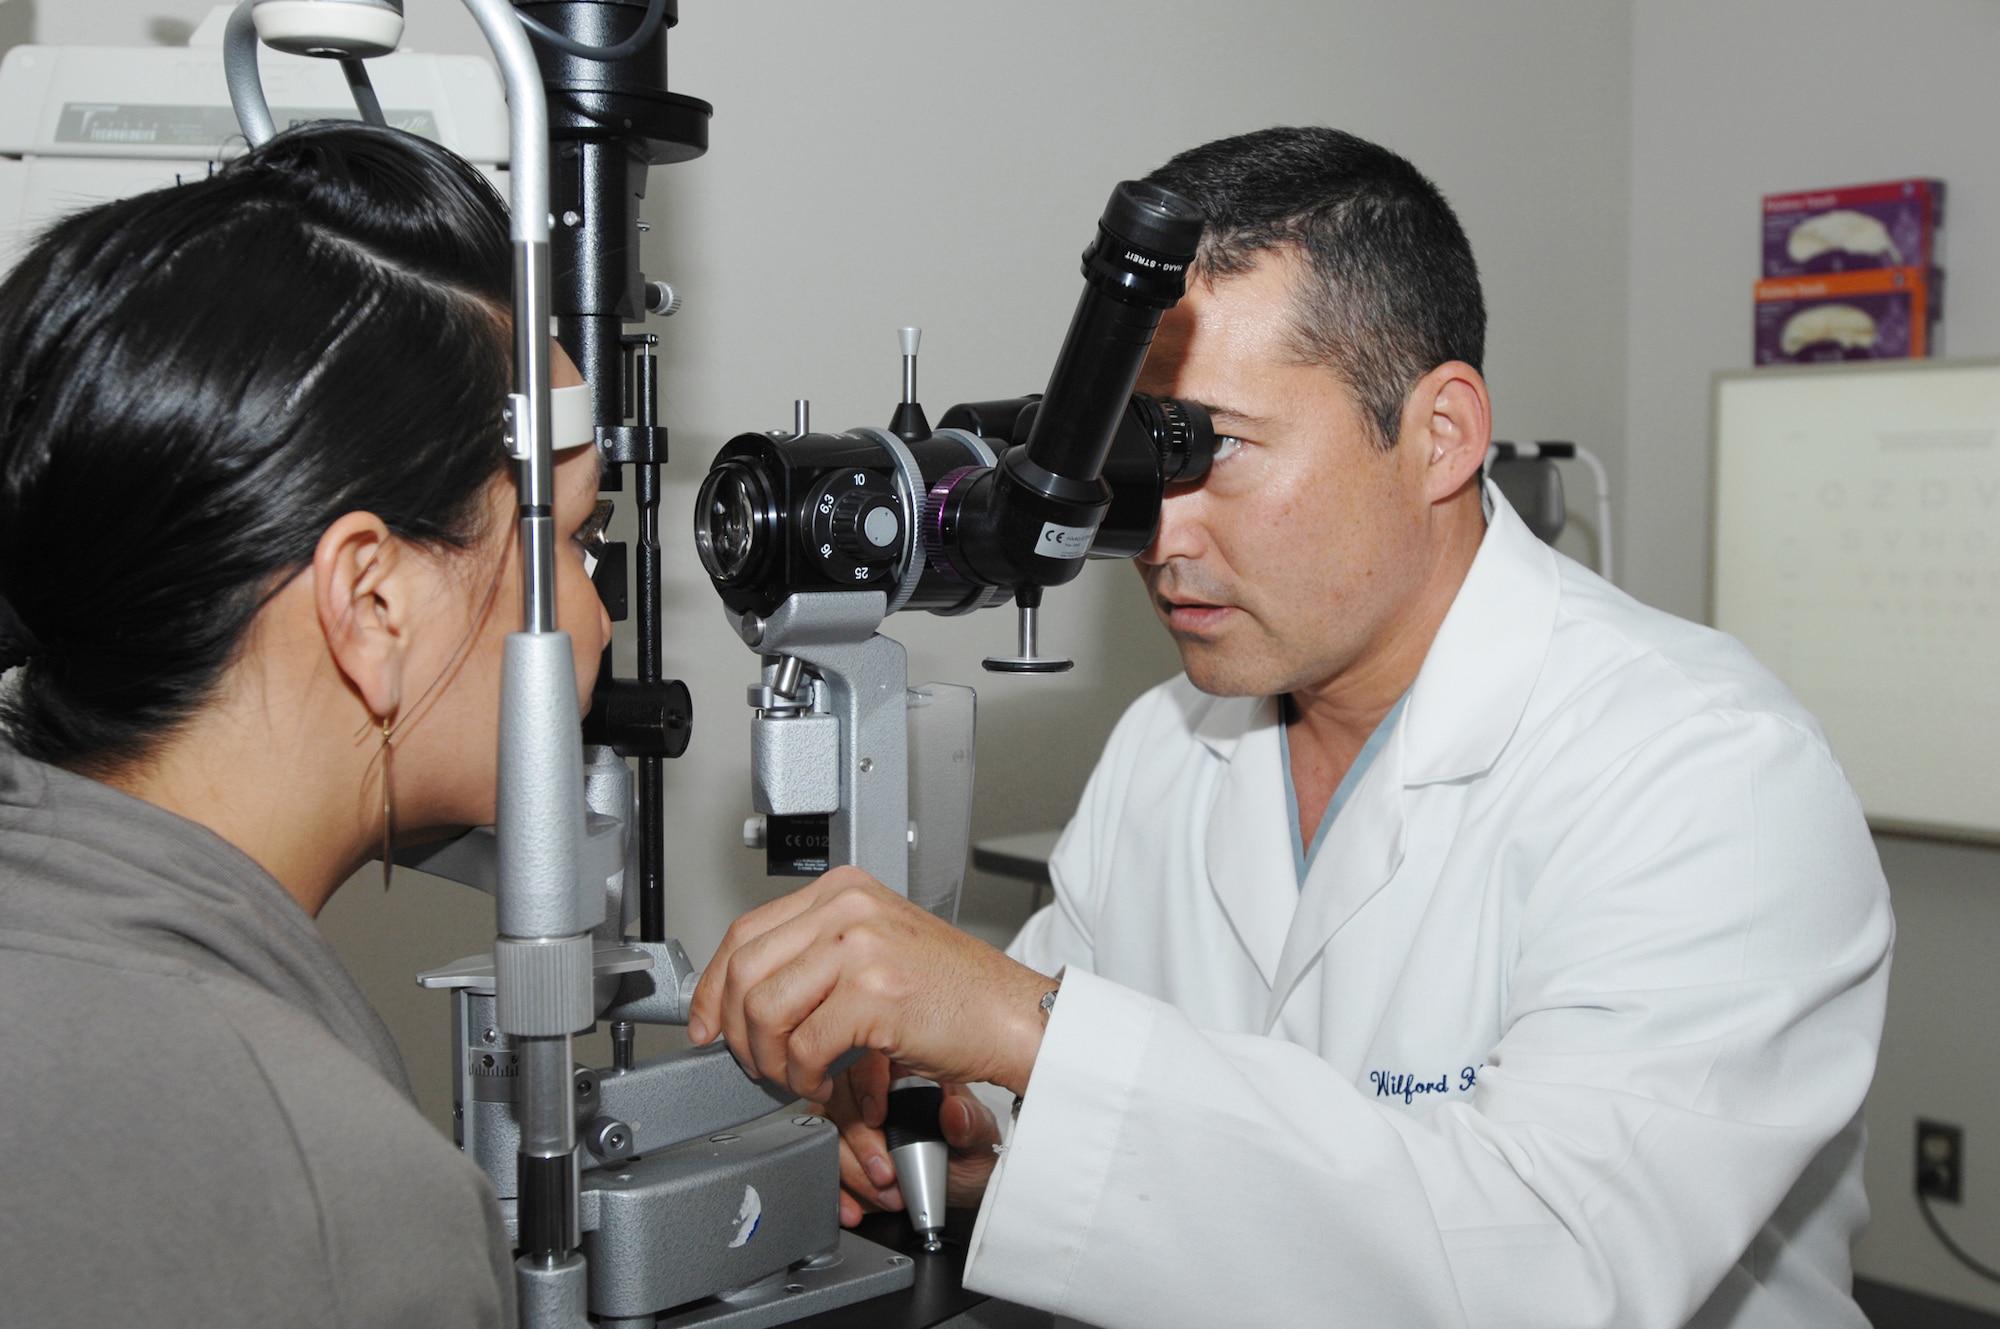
x=867, y=526
x=854, y=526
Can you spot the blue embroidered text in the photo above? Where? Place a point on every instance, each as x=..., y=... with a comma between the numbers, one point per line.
x=1406, y=1086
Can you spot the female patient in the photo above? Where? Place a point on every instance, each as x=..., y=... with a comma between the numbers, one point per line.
x=256, y=562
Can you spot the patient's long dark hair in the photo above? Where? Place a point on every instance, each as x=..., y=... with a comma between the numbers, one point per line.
x=196, y=382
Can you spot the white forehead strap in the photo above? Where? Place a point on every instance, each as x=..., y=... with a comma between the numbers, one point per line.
x=570, y=425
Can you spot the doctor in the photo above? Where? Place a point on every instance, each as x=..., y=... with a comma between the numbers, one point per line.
x=1458, y=942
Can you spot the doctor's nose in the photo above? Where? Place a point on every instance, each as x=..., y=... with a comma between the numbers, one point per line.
x=1180, y=533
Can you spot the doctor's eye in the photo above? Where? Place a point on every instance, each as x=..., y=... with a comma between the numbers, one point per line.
x=1226, y=446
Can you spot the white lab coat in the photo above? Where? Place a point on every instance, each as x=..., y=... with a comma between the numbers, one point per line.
x=1570, y=1024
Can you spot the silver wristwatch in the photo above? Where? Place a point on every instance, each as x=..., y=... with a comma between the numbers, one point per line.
x=1047, y=1006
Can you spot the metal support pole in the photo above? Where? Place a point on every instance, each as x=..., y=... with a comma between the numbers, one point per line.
x=542, y=954
x=652, y=773
x=246, y=86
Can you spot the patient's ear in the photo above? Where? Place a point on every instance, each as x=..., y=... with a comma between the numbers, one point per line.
x=1448, y=421
x=364, y=594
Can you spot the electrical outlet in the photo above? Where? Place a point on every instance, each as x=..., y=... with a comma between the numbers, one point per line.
x=1940, y=1160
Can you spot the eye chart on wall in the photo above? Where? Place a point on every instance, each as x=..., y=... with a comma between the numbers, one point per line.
x=1857, y=553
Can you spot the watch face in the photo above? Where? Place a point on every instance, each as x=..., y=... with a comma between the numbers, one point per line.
x=1048, y=1001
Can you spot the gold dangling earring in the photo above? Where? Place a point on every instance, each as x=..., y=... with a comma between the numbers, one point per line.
x=388, y=803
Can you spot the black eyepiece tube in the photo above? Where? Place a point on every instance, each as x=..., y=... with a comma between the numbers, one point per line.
x=1134, y=271
x=1032, y=519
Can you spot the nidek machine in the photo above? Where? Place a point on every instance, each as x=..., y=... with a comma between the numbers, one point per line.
x=677, y=1191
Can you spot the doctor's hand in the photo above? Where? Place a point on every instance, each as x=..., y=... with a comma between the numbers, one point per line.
x=868, y=1178
x=848, y=963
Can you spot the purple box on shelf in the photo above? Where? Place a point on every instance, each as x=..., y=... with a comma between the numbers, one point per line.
x=1890, y=225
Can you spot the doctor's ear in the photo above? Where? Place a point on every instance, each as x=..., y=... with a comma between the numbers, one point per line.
x=1448, y=421
x=362, y=592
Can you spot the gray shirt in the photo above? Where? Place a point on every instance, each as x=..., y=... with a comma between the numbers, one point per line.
x=203, y=1120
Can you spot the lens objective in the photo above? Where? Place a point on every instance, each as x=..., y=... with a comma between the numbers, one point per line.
x=726, y=532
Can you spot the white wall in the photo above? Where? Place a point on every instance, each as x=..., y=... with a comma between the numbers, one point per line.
x=882, y=162
x=891, y=161
x=429, y=25
x=874, y=164
x=877, y=164
x=1731, y=102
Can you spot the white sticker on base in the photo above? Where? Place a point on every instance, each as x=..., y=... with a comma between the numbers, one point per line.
x=748, y=1215
x=1064, y=541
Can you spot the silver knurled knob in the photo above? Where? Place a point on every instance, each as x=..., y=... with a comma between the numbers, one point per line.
x=662, y=299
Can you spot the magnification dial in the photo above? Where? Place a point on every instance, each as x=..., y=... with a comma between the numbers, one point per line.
x=854, y=526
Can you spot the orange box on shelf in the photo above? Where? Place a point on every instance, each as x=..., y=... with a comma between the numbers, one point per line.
x=1876, y=314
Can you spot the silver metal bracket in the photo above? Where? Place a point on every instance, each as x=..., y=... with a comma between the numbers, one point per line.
x=863, y=681
x=476, y=973
x=855, y=1270
x=658, y=993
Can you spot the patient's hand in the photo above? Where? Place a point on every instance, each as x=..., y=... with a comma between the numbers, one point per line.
x=867, y=1177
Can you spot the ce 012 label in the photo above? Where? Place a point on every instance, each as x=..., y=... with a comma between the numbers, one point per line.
x=1064, y=541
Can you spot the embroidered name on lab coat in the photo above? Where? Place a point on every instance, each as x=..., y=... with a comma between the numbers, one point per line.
x=1408, y=1085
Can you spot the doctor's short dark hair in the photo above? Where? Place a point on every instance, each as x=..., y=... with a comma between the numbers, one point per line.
x=196, y=382
x=1388, y=291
